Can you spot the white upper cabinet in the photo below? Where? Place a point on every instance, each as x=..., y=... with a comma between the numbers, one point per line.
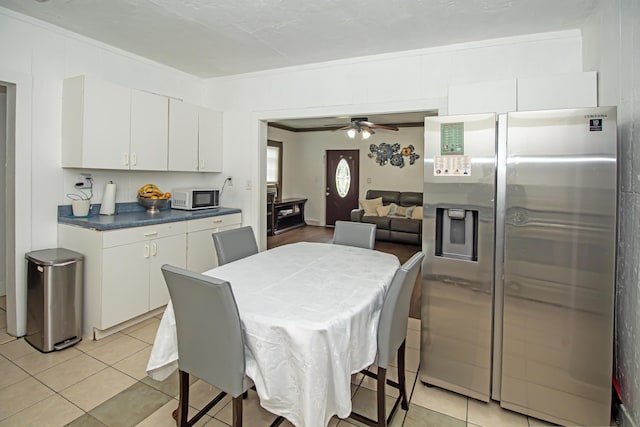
x=183, y=136
x=149, y=131
x=195, y=138
x=95, y=124
x=572, y=90
x=209, y=140
x=106, y=126
x=498, y=96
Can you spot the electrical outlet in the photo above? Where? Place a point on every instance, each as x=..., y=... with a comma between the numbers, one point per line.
x=84, y=181
x=230, y=179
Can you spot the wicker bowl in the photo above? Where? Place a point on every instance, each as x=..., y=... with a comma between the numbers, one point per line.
x=152, y=205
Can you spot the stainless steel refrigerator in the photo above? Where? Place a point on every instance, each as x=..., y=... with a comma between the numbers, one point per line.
x=518, y=281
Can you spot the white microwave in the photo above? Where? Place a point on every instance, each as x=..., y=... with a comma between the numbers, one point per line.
x=194, y=198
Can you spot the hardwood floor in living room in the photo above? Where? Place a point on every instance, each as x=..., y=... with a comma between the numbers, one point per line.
x=311, y=233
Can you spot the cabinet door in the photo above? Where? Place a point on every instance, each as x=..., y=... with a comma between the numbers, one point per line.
x=125, y=283
x=105, y=124
x=209, y=140
x=167, y=250
x=183, y=136
x=149, y=131
x=201, y=253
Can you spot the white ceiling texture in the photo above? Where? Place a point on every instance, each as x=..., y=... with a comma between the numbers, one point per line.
x=210, y=38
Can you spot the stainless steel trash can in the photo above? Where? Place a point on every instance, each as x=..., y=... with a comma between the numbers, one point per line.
x=54, y=298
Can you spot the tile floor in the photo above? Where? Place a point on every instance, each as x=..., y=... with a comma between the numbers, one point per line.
x=103, y=383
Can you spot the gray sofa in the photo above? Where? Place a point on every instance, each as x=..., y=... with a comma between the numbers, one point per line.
x=389, y=228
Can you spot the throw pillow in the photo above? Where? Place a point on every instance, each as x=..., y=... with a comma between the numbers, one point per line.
x=383, y=210
x=370, y=206
x=417, y=212
x=400, y=211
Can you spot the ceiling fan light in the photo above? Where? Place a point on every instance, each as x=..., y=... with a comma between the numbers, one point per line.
x=366, y=134
x=351, y=133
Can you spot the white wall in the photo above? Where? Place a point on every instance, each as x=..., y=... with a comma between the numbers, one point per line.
x=3, y=139
x=404, y=81
x=304, y=165
x=612, y=46
x=37, y=57
x=40, y=56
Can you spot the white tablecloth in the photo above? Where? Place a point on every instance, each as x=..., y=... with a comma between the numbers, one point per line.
x=310, y=313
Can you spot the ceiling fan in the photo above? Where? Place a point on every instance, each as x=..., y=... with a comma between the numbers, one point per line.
x=363, y=126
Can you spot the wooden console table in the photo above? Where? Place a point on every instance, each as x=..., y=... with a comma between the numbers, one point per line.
x=284, y=215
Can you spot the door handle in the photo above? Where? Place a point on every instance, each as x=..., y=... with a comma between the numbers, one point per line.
x=146, y=251
x=154, y=249
x=326, y=194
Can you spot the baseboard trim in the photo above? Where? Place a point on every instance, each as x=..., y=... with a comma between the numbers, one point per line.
x=98, y=334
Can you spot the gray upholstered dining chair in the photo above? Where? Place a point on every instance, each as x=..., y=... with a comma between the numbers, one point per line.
x=214, y=353
x=234, y=244
x=360, y=234
x=392, y=333
x=201, y=300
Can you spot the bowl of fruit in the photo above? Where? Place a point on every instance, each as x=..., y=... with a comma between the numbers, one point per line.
x=152, y=198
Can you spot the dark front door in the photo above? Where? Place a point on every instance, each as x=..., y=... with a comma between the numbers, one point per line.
x=342, y=184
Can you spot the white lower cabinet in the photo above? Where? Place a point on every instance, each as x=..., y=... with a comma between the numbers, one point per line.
x=125, y=285
x=167, y=250
x=123, y=282
x=122, y=278
x=132, y=279
x=201, y=253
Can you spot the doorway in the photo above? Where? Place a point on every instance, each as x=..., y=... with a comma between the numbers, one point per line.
x=343, y=170
x=3, y=208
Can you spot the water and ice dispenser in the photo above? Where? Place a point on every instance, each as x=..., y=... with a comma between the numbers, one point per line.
x=457, y=233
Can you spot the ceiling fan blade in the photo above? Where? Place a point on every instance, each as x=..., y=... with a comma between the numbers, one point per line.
x=387, y=127
x=367, y=128
x=346, y=127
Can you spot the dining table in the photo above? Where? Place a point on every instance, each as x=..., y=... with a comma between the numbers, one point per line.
x=309, y=314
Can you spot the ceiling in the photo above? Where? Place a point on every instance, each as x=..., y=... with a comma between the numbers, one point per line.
x=210, y=38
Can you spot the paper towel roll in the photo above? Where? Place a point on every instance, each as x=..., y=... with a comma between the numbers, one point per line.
x=108, y=206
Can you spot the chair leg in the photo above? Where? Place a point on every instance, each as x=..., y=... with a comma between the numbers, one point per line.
x=183, y=404
x=237, y=411
x=401, y=377
x=382, y=381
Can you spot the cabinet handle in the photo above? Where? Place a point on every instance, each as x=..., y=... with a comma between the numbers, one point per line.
x=126, y=159
x=151, y=233
x=217, y=221
x=195, y=164
x=154, y=249
x=146, y=251
x=201, y=164
x=134, y=159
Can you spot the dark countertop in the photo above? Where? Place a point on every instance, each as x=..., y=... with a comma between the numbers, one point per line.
x=133, y=215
